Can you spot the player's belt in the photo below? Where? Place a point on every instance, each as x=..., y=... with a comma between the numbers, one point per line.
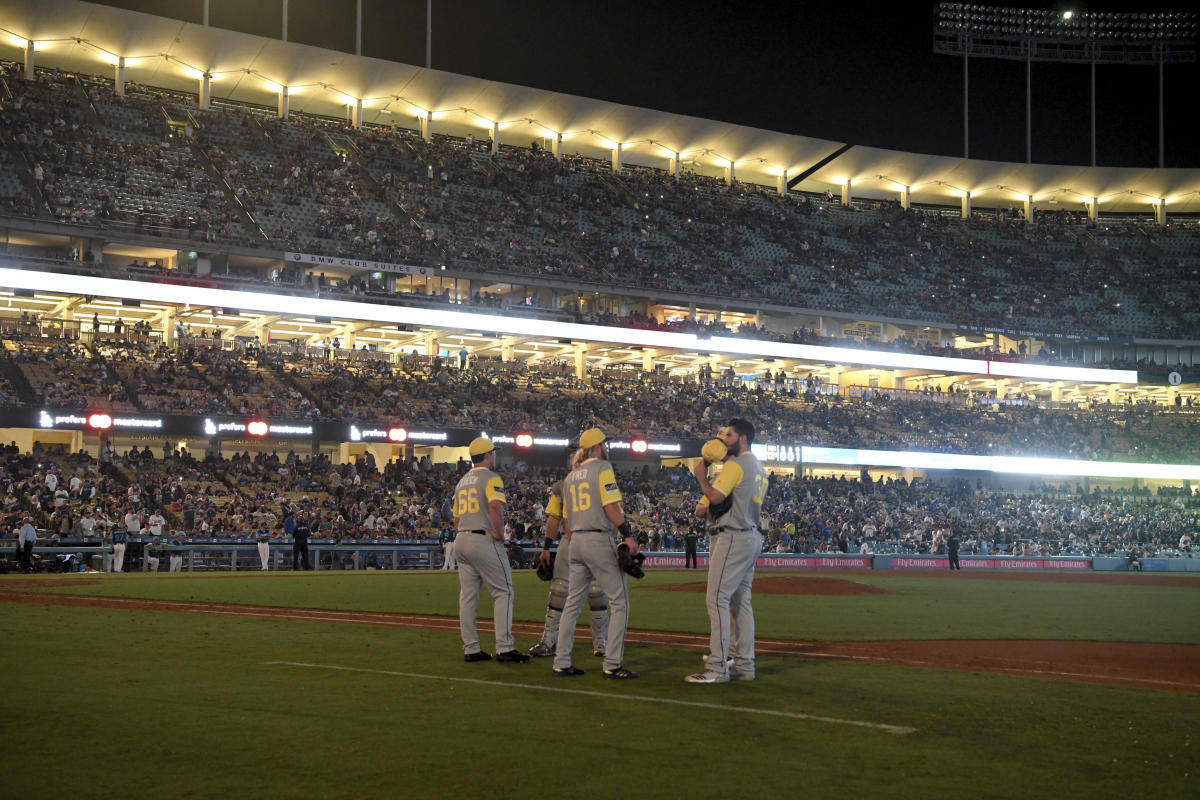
x=590, y=530
x=480, y=532
x=724, y=528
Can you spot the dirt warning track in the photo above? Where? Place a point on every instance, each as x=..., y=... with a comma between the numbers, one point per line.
x=1168, y=667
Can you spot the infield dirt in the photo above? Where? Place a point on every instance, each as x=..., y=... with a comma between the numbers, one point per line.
x=1167, y=667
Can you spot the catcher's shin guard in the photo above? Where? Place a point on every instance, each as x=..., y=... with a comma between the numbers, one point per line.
x=598, y=617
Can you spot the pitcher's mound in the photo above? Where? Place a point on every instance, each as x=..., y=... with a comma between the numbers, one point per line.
x=789, y=584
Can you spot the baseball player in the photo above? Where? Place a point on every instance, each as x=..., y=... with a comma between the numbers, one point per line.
x=119, y=539
x=479, y=550
x=448, y=550
x=560, y=585
x=593, y=514
x=264, y=545
x=735, y=543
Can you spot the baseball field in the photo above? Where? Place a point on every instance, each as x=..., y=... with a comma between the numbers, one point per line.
x=873, y=684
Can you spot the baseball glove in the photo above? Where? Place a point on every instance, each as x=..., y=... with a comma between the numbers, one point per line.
x=546, y=571
x=631, y=564
x=718, y=510
x=714, y=450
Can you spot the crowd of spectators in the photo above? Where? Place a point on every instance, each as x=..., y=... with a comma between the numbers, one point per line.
x=390, y=196
x=78, y=497
x=67, y=375
x=99, y=157
x=505, y=397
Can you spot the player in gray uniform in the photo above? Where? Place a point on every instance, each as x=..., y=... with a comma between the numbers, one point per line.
x=479, y=549
x=592, y=508
x=734, y=546
x=560, y=583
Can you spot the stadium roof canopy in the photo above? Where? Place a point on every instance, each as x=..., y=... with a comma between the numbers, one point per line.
x=173, y=54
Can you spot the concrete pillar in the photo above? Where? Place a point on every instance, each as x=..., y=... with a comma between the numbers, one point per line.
x=119, y=76
x=427, y=126
x=495, y=138
x=781, y=184
x=432, y=345
x=1001, y=389
x=1172, y=393
x=351, y=340
x=898, y=381
x=905, y=197
x=356, y=119
x=673, y=165
x=648, y=359
x=556, y=146
x=283, y=102
x=691, y=310
x=846, y=196
x=835, y=377
x=168, y=327
x=506, y=349
x=284, y=32
x=1056, y=392
x=1160, y=212
x=730, y=177
x=261, y=334
x=580, y=362
x=616, y=158
x=1094, y=209
x=1114, y=396
x=966, y=205
x=29, y=60
x=205, y=91
x=1028, y=208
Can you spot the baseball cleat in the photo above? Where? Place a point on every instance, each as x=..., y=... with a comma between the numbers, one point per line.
x=735, y=675
x=512, y=657
x=707, y=677
x=477, y=656
x=598, y=653
x=541, y=650
x=620, y=674
x=567, y=672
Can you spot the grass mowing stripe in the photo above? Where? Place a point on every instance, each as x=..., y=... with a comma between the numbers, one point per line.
x=893, y=729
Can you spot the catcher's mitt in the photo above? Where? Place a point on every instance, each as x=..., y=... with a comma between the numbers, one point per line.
x=718, y=510
x=714, y=450
x=546, y=571
x=631, y=564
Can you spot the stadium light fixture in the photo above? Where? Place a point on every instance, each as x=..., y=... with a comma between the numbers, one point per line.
x=1147, y=38
x=296, y=306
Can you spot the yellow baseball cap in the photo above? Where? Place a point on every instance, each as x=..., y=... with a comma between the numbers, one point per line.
x=480, y=446
x=714, y=450
x=591, y=437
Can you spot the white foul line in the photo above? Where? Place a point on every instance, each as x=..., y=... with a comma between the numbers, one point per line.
x=894, y=729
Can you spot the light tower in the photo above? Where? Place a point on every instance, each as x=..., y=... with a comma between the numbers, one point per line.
x=1020, y=34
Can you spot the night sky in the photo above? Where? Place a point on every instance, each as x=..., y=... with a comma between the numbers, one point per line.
x=851, y=72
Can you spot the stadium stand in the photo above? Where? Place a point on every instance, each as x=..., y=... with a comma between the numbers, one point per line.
x=325, y=186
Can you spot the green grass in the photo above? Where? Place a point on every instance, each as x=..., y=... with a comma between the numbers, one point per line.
x=153, y=704
x=108, y=703
x=917, y=607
